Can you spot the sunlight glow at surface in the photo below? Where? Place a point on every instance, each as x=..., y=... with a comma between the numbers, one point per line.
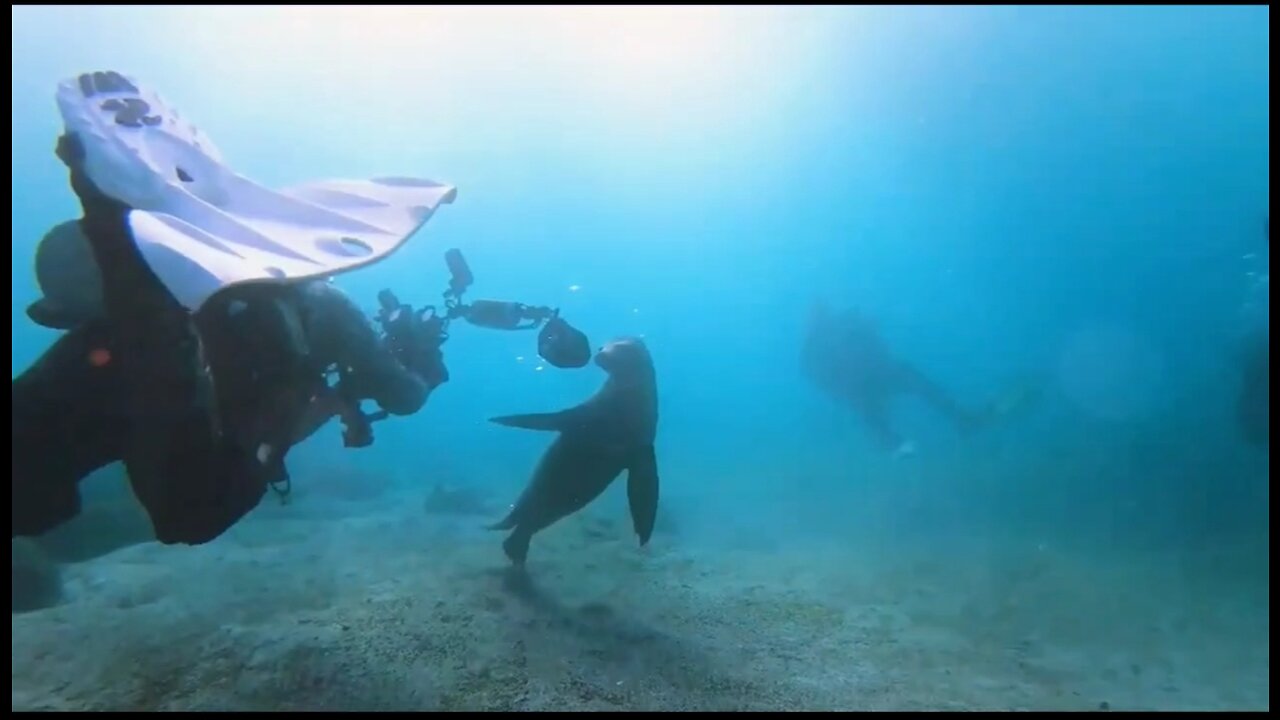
x=684, y=80
x=634, y=58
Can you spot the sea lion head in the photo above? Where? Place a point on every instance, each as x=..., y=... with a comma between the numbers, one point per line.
x=625, y=358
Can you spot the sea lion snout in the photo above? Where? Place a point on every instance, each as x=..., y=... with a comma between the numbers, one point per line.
x=622, y=354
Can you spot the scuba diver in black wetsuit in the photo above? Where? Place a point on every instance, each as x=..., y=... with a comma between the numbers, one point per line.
x=203, y=407
x=845, y=357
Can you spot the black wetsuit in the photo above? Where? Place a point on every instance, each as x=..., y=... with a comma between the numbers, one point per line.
x=203, y=408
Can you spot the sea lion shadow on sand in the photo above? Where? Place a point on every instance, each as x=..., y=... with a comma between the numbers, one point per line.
x=592, y=620
x=634, y=662
x=607, y=633
x=518, y=583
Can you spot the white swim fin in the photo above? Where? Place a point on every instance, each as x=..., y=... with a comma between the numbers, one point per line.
x=203, y=227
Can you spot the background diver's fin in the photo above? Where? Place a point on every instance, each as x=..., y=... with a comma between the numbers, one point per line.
x=1017, y=399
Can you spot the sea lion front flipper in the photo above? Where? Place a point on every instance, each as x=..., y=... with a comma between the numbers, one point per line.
x=554, y=421
x=642, y=492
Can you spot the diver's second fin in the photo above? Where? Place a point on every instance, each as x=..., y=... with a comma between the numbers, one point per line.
x=46, y=314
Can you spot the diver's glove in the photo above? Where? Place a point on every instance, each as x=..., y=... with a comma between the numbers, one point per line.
x=70, y=151
x=98, y=206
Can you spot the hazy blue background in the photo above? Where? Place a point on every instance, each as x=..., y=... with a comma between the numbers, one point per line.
x=1066, y=193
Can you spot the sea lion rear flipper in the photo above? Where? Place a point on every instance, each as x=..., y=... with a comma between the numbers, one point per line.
x=555, y=421
x=506, y=523
x=642, y=492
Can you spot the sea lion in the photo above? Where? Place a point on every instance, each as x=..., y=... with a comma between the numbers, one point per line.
x=612, y=431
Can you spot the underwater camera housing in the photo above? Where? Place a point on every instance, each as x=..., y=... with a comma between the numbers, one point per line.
x=418, y=334
x=559, y=343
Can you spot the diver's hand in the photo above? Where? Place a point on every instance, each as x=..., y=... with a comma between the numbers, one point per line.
x=423, y=355
x=431, y=369
x=326, y=405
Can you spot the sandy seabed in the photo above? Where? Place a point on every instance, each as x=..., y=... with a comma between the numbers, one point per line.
x=367, y=606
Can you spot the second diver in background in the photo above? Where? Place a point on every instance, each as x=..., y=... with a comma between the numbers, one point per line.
x=844, y=356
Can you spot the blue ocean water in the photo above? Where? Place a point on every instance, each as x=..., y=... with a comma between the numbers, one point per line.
x=1073, y=198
